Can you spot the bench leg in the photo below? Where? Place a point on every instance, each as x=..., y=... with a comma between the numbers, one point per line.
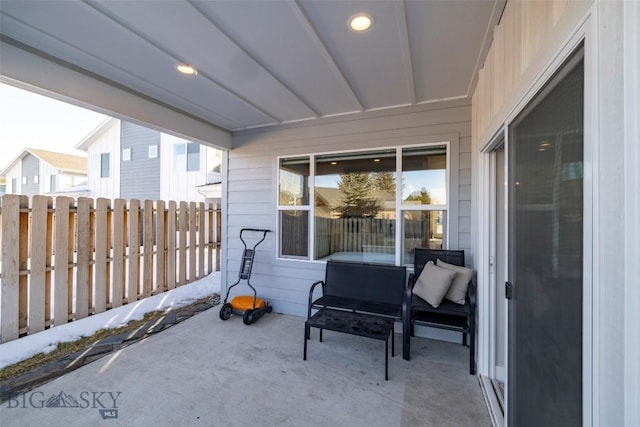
x=306, y=338
x=320, y=335
x=393, y=344
x=406, y=340
x=386, y=360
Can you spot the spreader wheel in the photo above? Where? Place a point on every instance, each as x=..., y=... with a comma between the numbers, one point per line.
x=269, y=308
x=247, y=317
x=225, y=311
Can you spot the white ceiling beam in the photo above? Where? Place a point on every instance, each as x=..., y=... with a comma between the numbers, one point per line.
x=322, y=48
x=258, y=63
x=405, y=47
x=176, y=58
x=40, y=73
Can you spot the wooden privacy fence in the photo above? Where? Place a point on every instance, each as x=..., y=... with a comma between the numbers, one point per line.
x=77, y=258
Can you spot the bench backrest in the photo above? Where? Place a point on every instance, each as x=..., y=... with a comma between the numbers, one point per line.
x=368, y=282
x=422, y=256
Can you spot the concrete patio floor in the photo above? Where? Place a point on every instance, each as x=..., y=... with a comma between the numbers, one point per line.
x=206, y=372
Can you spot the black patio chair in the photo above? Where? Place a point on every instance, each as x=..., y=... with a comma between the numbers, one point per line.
x=449, y=315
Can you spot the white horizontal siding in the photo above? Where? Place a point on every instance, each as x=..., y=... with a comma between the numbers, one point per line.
x=252, y=193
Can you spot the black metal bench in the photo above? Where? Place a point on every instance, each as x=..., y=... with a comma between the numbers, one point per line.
x=360, y=288
x=449, y=315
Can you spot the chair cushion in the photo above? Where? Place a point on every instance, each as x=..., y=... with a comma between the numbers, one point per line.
x=458, y=290
x=433, y=283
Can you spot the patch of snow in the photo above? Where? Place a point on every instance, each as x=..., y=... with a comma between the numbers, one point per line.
x=47, y=340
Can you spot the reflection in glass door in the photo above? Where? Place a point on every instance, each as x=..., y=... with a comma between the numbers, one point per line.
x=546, y=254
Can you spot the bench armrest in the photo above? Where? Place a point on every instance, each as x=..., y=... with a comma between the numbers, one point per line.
x=313, y=287
x=471, y=297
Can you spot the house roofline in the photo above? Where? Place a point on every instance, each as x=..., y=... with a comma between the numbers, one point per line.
x=95, y=134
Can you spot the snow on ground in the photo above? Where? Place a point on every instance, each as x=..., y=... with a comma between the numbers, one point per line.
x=47, y=340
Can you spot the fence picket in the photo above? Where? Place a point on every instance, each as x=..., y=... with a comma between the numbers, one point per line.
x=39, y=261
x=119, y=251
x=171, y=245
x=183, y=224
x=192, y=241
x=133, y=221
x=201, y=246
x=10, y=267
x=147, y=249
x=161, y=248
x=83, y=256
x=61, y=261
x=102, y=281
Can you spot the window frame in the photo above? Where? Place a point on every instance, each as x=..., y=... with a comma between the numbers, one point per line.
x=184, y=166
x=451, y=148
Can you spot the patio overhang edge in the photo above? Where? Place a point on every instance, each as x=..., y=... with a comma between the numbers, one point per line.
x=37, y=73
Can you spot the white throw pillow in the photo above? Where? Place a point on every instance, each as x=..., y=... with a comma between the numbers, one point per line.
x=433, y=283
x=458, y=289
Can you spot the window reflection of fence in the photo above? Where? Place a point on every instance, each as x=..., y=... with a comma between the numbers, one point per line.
x=65, y=262
x=353, y=235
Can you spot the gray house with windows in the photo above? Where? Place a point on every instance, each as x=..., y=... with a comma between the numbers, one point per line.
x=130, y=161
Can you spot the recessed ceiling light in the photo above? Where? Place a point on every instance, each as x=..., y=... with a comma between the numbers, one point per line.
x=334, y=163
x=187, y=69
x=376, y=160
x=360, y=22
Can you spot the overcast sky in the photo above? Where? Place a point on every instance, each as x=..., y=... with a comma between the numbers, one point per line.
x=35, y=121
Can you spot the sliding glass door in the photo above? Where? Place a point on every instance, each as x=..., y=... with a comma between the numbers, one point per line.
x=545, y=192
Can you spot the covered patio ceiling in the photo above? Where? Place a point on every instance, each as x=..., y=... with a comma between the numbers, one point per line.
x=259, y=63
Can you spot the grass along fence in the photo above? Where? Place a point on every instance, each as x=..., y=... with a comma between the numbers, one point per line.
x=63, y=260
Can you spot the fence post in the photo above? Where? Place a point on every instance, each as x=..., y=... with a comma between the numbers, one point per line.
x=11, y=266
x=40, y=280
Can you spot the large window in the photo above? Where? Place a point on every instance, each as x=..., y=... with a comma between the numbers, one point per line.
x=186, y=157
x=347, y=205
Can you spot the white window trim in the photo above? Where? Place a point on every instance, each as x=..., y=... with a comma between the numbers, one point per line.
x=452, y=217
x=126, y=154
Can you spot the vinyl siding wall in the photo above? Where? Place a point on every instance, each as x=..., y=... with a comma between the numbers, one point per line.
x=140, y=176
x=252, y=173
x=14, y=173
x=107, y=142
x=30, y=169
x=531, y=35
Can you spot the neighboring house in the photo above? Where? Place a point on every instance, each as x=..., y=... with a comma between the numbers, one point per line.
x=135, y=162
x=3, y=187
x=36, y=171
